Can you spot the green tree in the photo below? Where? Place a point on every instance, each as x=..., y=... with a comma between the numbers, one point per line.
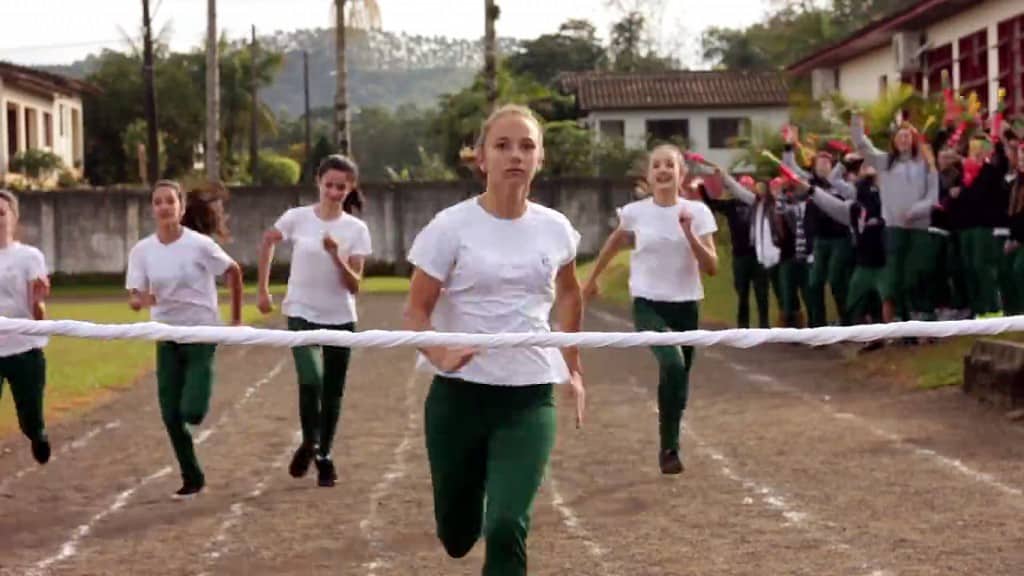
x=574, y=48
x=236, y=73
x=630, y=49
x=459, y=116
x=568, y=150
x=108, y=113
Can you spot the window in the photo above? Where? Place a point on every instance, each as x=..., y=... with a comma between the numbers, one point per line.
x=936, y=61
x=667, y=130
x=723, y=131
x=883, y=85
x=973, y=64
x=1011, y=63
x=60, y=119
x=613, y=129
x=48, y=130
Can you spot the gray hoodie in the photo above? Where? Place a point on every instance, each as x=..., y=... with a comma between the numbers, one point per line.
x=909, y=188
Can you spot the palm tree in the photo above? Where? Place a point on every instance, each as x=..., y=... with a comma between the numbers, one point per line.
x=364, y=14
x=491, y=13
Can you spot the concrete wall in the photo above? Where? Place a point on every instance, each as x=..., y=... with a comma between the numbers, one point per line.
x=635, y=125
x=91, y=231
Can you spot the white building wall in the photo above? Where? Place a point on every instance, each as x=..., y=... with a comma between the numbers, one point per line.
x=62, y=145
x=858, y=77
x=635, y=122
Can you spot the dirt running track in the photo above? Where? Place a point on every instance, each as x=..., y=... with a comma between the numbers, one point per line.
x=792, y=468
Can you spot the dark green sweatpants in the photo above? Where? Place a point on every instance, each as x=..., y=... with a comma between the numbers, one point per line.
x=1009, y=289
x=980, y=252
x=747, y=272
x=321, y=372
x=793, y=282
x=867, y=292
x=833, y=265
x=184, y=374
x=488, y=448
x=26, y=373
x=909, y=255
x=674, y=362
x=923, y=283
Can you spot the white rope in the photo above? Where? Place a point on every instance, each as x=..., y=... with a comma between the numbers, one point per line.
x=745, y=338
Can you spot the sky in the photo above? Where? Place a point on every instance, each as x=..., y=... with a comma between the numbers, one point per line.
x=61, y=31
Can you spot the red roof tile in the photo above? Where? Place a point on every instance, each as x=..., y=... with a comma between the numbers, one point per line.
x=43, y=81
x=678, y=89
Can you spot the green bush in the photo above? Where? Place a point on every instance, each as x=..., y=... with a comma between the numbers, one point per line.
x=277, y=170
x=36, y=164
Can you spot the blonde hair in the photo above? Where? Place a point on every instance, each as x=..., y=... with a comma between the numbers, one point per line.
x=12, y=200
x=173, y=185
x=472, y=157
x=676, y=151
x=509, y=110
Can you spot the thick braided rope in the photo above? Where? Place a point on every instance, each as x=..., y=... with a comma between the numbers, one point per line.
x=745, y=338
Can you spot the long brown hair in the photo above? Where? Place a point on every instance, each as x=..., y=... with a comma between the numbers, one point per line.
x=915, y=144
x=204, y=211
x=1017, y=195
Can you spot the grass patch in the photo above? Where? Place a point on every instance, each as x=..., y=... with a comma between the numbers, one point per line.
x=371, y=285
x=928, y=366
x=82, y=372
x=720, y=302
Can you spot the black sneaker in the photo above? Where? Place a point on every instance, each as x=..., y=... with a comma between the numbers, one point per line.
x=301, y=460
x=41, y=450
x=189, y=489
x=326, y=475
x=670, y=462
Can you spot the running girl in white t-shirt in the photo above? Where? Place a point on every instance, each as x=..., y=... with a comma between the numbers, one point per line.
x=495, y=263
x=329, y=249
x=672, y=244
x=24, y=286
x=173, y=272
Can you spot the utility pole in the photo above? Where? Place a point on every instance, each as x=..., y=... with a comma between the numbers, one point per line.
x=152, y=129
x=254, y=137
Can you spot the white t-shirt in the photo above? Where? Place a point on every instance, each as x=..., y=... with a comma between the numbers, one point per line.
x=498, y=275
x=662, y=266
x=20, y=265
x=315, y=290
x=181, y=275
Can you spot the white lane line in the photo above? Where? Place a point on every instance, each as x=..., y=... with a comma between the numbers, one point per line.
x=572, y=522
x=220, y=544
x=397, y=470
x=77, y=444
x=70, y=547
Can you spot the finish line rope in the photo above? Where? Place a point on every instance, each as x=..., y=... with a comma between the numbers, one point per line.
x=737, y=338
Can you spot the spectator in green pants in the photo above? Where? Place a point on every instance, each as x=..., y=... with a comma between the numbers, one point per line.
x=831, y=261
x=329, y=249
x=747, y=272
x=909, y=187
x=173, y=272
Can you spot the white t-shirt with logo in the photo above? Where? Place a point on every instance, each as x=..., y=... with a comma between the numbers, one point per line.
x=181, y=275
x=498, y=275
x=315, y=290
x=662, y=265
x=20, y=265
